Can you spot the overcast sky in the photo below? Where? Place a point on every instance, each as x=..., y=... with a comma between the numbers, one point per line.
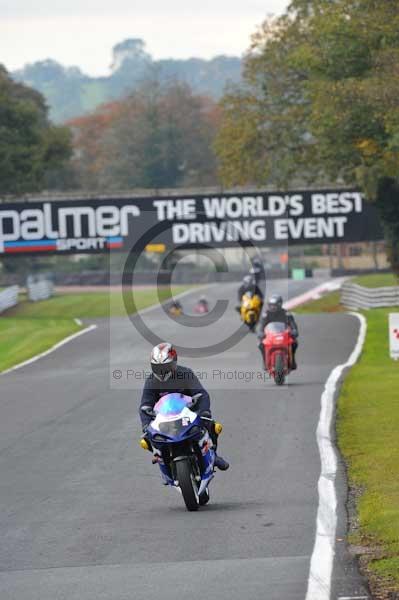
x=82, y=32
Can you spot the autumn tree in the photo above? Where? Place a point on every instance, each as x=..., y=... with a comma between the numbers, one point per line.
x=264, y=132
x=32, y=150
x=320, y=103
x=160, y=136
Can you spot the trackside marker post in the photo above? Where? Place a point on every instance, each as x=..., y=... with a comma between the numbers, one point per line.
x=394, y=335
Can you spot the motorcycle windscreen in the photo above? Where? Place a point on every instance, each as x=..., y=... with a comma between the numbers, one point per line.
x=171, y=404
x=276, y=327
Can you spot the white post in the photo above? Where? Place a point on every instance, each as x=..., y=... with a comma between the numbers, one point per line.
x=394, y=335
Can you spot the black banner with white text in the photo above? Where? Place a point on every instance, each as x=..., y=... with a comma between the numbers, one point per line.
x=215, y=220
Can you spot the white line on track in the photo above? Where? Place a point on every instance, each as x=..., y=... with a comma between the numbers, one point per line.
x=50, y=350
x=86, y=330
x=321, y=564
x=354, y=598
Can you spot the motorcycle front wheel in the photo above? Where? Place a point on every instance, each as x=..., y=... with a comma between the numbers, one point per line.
x=279, y=375
x=187, y=484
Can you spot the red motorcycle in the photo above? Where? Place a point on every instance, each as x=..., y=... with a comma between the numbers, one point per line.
x=277, y=351
x=201, y=308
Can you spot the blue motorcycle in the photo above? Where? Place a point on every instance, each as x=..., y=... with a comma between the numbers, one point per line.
x=182, y=447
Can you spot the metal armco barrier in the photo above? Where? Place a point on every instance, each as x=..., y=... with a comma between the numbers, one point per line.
x=39, y=289
x=9, y=298
x=356, y=296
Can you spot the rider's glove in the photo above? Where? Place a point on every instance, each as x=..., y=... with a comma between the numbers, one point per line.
x=205, y=414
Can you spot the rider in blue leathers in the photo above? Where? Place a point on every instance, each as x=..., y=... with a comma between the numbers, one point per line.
x=167, y=377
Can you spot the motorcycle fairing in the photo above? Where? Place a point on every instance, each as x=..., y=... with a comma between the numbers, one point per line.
x=175, y=422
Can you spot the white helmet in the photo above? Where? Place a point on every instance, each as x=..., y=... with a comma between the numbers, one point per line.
x=163, y=361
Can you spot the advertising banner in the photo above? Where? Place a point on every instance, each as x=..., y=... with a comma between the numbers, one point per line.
x=215, y=220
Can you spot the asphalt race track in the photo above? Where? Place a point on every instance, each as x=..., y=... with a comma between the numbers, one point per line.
x=83, y=514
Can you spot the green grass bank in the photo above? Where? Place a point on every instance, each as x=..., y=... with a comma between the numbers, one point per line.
x=33, y=327
x=368, y=438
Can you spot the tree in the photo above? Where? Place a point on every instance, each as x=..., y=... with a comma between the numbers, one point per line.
x=159, y=137
x=320, y=98
x=264, y=135
x=30, y=147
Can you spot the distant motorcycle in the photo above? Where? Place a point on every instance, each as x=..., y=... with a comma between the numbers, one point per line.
x=277, y=351
x=201, y=308
x=251, y=305
x=175, y=309
x=182, y=447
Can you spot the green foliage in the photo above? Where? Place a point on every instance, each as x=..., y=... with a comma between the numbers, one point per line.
x=159, y=137
x=31, y=149
x=264, y=135
x=388, y=206
x=320, y=103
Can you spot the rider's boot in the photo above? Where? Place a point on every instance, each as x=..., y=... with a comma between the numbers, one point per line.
x=214, y=431
x=220, y=463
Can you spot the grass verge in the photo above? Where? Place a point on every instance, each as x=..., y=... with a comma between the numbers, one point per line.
x=328, y=303
x=20, y=339
x=368, y=426
x=33, y=327
x=376, y=280
x=331, y=302
x=368, y=437
x=90, y=305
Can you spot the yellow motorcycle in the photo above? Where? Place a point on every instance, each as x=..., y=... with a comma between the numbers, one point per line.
x=175, y=309
x=251, y=305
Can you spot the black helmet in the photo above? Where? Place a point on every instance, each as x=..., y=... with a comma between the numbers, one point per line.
x=256, y=262
x=275, y=303
x=163, y=361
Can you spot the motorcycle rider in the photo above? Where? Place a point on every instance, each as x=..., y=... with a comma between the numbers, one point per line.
x=175, y=308
x=248, y=284
x=204, y=303
x=257, y=269
x=167, y=377
x=276, y=313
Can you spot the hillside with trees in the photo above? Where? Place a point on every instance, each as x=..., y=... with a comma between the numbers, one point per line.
x=71, y=93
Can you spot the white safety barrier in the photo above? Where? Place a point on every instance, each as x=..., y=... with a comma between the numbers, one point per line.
x=9, y=297
x=356, y=296
x=40, y=289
